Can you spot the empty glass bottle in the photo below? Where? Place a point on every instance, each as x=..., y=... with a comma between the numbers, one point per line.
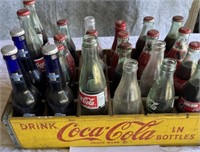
x=127, y=98
x=89, y=23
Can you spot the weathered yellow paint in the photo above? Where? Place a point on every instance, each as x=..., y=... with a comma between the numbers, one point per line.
x=162, y=129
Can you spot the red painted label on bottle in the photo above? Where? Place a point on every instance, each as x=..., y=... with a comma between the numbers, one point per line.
x=40, y=64
x=188, y=106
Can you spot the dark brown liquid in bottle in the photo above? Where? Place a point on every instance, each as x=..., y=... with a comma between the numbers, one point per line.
x=169, y=44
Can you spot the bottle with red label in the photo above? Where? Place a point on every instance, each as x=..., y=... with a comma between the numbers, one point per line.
x=33, y=41
x=152, y=36
x=30, y=4
x=187, y=67
x=179, y=49
x=127, y=98
x=92, y=82
x=152, y=70
x=148, y=24
x=189, y=99
x=171, y=37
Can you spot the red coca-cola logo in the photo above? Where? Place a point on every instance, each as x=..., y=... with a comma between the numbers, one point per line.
x=40, y=64
x=134, y=130
x=88, y=101
x=188, y=106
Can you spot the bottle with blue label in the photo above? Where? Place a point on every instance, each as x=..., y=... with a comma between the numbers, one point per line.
x=36, y=77
x=26, y=99
x=59, y=96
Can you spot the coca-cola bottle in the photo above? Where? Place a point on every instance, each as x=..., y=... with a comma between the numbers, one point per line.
x=187, y=66
x=189, y=99
x=36, y=77
x=62, y=26
x=32, y=39
x=124, y=51
x=172, y=35
x=127, y=98
x=179, y=49
x=148, y=24
x=92, y=82
x=30, y=4
x=152, y=69
x=89, y=22
x=152, y=35
x=162, y=95
x=26, y=99
x=59, y=96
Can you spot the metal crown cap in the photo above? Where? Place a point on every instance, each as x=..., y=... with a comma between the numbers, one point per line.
x=49, y=49
x=125, y=46
x=178, y=18
x=28, y=2
x=60, y=47
x=62, y=22
x=184, y=30
x=92, y=32
x=23, y=12
x=153, y=33
x=123, y=34
x=59, y=37
x=9, y=50
x=195, y=45
x=148, y=19
x=15, y=32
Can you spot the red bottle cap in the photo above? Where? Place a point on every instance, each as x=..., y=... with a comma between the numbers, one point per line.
x=23, y=12
x=59, y=37
x=62, y=22
x=28, y=2
x=60, y=47
x=123, y=34
x=120, y=24
x=125, y=46
x=177, y=18
x=184, y=30
x=92, y=32
x=195, y=45
x=153, y=33
x=148, y=19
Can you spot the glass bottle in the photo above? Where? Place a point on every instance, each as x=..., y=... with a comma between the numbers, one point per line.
x=92, y=82
x=148, y=24
x=26, y=99
x=187, y=67
x=59, y=96
x=162, y=95
x=62, y=26
x=36, y=77
x=170, y=39
x=33, y=41
x=189, y=99
x=124, y=51
x=179, y=49
x=127, y=98
x=152, y=69
x=89, y=22
x=152, y=35
x=30, y=5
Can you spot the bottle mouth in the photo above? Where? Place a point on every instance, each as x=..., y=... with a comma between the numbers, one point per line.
x=130, y=65
x=169, y=64
x=159, y=45
x=89, y=41
x=89, y=19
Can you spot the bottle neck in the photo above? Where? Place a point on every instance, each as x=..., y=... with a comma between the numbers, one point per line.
x=89, y=25
x=90, y=54
x=192, y=55
x=196, y=74
x=149, y=43
x=66, y=50
x=173, y=32
x=64, y=29
x=129, y=74
x=146, y=27
x=120, y=40
x=182, y=42
x=123, y=55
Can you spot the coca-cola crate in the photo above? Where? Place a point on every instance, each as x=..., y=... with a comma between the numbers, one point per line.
x=102, y=130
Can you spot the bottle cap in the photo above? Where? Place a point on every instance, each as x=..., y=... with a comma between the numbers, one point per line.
x=59, y=37
x=28, y=2
x=23, y=12
x=49, y=49
x=123, y=34
x=184, y=30
x=9, y=50
x=125, y=46
x=153, y=33
x=195, y=45
x=148, y=19
x=15, y=32
x=120, y=24
x=60, y=47
x=177, y=18
x=62, y=22
x=89, y=19
x=92, y=32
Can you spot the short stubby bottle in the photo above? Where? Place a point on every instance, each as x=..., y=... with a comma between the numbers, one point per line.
x=37, y=78
x=30, y=4
x=161, y=96
x=92, y=82
x=127, y=98
x=148, y=24
x=189, y=99
x=26, y=99
x=59, y=96
x=170, y=39
x=187, y=67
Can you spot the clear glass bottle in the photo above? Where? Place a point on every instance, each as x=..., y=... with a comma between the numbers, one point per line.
x=92, y=82
x=152, y=35
x=162, y=95
x=59, y=96
x=152, y=70
x=89, y=22
x=26, y=99
x=33, y=41
x=187, y=67
x=148, y=24
x=170, y=39
x=127, y=98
